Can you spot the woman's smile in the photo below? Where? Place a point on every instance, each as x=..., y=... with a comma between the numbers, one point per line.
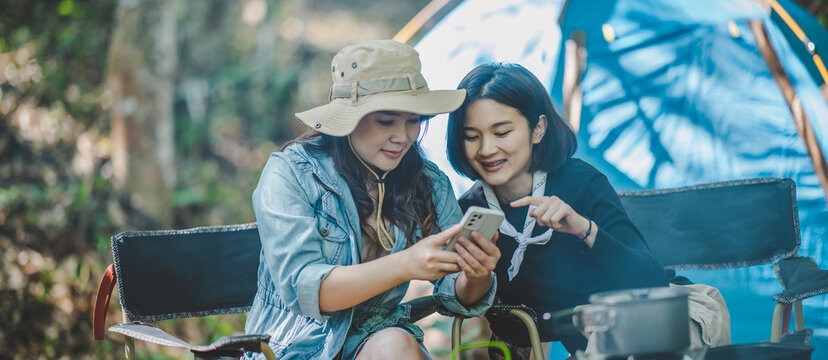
x=392, y=154
x=493, y=166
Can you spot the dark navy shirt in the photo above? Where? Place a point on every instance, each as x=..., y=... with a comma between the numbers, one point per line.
x=565, y=271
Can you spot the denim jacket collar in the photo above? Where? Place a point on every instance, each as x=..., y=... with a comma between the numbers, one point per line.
x=322, y=166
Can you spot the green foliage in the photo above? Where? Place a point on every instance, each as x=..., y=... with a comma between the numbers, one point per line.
x=66, y=7
x=236, y=91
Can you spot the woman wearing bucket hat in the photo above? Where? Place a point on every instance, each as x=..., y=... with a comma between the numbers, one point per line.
x=351, y=212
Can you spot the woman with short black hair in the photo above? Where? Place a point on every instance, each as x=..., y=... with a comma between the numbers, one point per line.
x=566, y=234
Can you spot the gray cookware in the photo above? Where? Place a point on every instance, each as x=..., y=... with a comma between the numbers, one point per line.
x=631, y=322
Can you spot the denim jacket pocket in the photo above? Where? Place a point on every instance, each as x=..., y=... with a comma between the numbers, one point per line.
x=330, y=230
x=335, y=239
x=331, y=226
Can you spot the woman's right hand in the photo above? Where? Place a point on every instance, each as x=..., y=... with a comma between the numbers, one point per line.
x=427, y=260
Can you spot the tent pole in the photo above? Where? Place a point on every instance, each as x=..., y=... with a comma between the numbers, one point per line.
x=574, y=63
x=803, y=126
x=783, y=14
x=426, y=18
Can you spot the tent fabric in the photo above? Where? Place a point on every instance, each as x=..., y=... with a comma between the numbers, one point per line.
x=675, y=100
x=680, y=96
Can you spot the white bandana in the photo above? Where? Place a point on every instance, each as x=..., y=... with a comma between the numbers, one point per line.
x=525, y=238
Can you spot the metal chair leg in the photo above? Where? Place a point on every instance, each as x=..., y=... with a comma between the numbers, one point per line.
x=456, y=329
x=267, y=351
x=534, y=338
x=129, y=343
x=776, y=324
x=799, y=318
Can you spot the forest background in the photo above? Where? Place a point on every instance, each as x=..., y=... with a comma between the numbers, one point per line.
x=150, y=114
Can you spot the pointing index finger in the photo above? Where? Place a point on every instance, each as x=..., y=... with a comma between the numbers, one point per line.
x=526, y=200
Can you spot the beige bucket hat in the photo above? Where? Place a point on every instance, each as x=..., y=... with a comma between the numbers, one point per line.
x=373, y=76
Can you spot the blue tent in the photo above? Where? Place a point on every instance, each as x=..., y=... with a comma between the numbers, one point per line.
x=666, y=94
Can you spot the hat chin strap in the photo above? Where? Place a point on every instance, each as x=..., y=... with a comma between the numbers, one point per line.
x=380, y=196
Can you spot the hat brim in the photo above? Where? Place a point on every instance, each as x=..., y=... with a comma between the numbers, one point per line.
x=341, y=116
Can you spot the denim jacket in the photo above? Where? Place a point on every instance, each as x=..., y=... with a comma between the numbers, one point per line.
x=308, y=226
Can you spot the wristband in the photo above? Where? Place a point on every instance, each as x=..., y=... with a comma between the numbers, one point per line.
x=589, y=230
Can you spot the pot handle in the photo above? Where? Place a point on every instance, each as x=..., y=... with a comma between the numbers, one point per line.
x=593, y=318
x=582, y=318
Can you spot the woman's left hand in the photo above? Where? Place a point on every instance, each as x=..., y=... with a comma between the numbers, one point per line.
x=478, y=256
x=554, y=213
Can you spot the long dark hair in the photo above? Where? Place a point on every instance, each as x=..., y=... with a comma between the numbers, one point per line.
x=514, y=86
x=407, y=204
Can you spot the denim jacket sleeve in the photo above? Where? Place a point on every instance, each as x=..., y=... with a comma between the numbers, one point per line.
x=448, y=215
x=291, y=245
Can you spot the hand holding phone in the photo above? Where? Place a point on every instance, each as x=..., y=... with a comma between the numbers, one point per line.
x=483, y=220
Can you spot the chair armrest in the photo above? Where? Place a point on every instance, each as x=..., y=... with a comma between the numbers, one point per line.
x=234, y=345
x=509, y=327
x=102, y=302
x=503, y=309
x=800, y=278
x=424, y=306
x=801, y=337
x=149, y=333
x=225, y=346
x=427, y=305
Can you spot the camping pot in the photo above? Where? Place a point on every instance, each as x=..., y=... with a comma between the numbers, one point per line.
x=636, y=321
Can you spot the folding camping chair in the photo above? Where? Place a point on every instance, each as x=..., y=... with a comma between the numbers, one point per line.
x=175, y=274
x=718, y=226
x=733, y=224
x=172, y=274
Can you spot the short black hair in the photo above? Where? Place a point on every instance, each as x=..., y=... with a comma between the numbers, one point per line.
x=514, y=86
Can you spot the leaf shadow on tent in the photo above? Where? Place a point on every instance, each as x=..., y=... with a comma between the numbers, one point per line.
x=688, y=100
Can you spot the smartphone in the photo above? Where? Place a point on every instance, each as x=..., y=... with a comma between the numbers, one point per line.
x=484, y=220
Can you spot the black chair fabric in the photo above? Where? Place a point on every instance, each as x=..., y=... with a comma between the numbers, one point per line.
x=716, y=226
x=500, y=317
x=800, y=278
x=187, y=273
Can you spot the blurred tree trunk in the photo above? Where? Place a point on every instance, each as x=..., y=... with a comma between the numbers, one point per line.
x=141, y=73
